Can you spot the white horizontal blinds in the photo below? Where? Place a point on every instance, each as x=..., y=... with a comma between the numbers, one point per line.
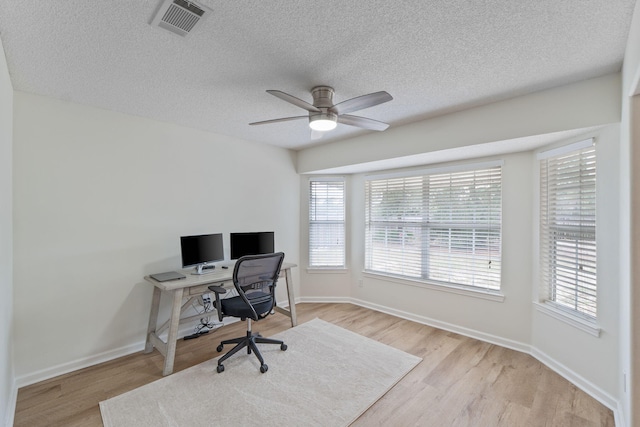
x=394, y=220
x=326, y=223
x=441, y=227
x=464, y=228
x=568, y=230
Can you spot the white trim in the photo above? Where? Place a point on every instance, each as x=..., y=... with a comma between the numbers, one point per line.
x=282, y=304
x=472, y=333
x=588, y=387
x=618, y=416
x=326, y=300
x=558, y=314
x=481, y=293
x=492, y=339
x=583, y=384
x=596, y=392
x=11, y=405
x=635, y=87
x=575, y=146
x=452, y=179
x=85, y=362
x=441, y=169
x=339, y=178
x=327, y=270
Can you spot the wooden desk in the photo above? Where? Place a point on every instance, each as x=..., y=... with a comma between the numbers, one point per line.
x=192, y=287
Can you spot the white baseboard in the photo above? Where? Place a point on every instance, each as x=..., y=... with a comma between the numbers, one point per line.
x=65, y=368
x=583, y=384
x=11, y=405
x=85, y=362
x=580, y=382
x=592, y=390
x=321, y=300
x=492, y=339
x=619, y=416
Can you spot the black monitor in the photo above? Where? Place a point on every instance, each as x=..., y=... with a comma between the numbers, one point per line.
x=201, y=250
x=251, y=244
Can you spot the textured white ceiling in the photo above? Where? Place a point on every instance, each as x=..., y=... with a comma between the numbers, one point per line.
x=433, y=56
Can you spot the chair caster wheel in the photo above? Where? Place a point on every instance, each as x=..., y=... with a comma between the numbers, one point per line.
x=264, y=368
x=220, y=368
x=219, y=348
x=283, y=347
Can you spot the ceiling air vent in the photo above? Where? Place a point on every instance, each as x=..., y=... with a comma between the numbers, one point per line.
x=179, y=16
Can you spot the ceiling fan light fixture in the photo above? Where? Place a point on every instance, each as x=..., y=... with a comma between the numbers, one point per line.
x=323, y=122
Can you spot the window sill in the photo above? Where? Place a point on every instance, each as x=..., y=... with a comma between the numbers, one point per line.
x=453, y=289
x=327, y=270
x=584, y=325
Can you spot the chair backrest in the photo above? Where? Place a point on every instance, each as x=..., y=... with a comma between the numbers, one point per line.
x=255, y=277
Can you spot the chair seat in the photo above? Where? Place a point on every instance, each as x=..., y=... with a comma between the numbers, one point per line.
x=236, y=306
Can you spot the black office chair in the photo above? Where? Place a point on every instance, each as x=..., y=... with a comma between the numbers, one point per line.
x=254, y=277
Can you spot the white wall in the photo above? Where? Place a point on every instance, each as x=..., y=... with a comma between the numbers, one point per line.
x=590, y=362
x=7, y=391
x=100, y=200
x=506, y=322
x=629, y=373
x=588, y=103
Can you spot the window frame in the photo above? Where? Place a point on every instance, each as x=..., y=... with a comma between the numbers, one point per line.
x=545, y=288
x=311, y=222
x=495, y=293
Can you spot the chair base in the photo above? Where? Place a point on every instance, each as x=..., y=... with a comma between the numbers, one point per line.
x=249, y=341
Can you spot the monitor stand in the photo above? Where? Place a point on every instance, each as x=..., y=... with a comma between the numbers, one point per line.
x=201, y=269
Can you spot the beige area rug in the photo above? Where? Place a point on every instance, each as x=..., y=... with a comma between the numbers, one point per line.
x=327, y=377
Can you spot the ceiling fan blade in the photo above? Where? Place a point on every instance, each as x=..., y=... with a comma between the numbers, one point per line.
x=293, y=100
x=284, y=119
x=361, y=102
x=362, y=122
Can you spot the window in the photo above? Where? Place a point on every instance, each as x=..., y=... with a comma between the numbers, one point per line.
x=326, y=223
x=568, y=228
x=444, y=228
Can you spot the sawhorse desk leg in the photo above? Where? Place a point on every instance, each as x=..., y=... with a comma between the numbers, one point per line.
x=168, y=349
x=174, y=323
x=153, y=319
x=291, y=312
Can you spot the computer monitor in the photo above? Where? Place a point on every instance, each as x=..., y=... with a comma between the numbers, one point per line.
x=201, y=250
x=251, y=244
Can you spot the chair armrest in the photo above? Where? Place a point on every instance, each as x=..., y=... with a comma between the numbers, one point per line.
x=217, y=290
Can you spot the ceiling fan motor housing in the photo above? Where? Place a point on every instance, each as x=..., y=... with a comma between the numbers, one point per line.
x=322, y=96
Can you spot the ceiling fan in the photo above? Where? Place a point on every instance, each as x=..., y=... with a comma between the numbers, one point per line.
x=324, y=115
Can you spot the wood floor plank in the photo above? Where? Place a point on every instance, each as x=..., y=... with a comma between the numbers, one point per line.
x=460, y=381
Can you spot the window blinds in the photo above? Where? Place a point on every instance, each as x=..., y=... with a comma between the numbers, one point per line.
x=326, y=223
x=443, y=227
x=568, y=230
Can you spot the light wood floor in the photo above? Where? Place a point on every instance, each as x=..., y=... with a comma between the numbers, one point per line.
x=460, y=382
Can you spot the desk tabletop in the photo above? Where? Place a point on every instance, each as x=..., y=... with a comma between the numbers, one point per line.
x=216, y=276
